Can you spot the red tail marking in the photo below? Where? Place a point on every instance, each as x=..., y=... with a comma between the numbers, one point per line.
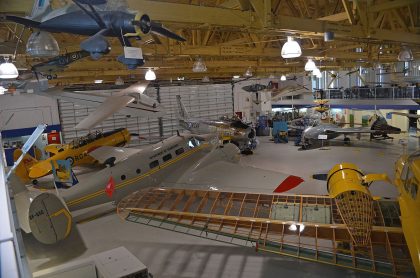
x=289, y=183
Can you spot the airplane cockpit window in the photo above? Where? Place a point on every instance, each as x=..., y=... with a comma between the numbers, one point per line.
x=179, y=151
x=193, y=142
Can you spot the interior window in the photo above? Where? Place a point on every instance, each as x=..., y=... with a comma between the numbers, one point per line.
x=179, y=151
x=154, y=164
x=167, y=157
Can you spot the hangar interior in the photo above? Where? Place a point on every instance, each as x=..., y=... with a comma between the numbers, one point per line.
x=209, y=138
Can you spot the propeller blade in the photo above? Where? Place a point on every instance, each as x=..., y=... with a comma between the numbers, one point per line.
x=158, y=28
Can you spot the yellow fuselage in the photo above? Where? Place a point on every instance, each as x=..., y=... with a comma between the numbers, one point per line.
x=407, y=177
x=78, y=152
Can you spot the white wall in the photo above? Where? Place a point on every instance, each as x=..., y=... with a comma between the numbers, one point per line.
x=28, y=110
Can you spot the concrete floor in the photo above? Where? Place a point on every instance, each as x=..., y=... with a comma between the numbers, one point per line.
x=171, y=254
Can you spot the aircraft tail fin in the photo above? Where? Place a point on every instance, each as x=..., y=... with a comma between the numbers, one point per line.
x=24, y=21
x=40, y=8
x=182, y=111
x=22, y=170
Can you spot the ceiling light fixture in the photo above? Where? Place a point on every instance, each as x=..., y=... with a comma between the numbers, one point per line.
x=283, y=78
x=8, y=70
x=236, y=77
x=199, y=65
x=405, y=54
x=248, y=72
x=310, y=65
x=98, y=81
x=291, y=49
x=316, y=72
x=150, y=75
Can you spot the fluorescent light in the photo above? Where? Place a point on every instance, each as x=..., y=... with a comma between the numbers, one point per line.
x=8, y=70
x=310, y=65
x=292, y=228
x=283, y=78
x=150, y=75
x=98, y=81
x=291, y=49
x=236, y=76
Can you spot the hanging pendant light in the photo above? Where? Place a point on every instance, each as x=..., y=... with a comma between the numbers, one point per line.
x=316, y=72
x=150, y=75
x=8, y=70
x=248, y=72
x=199, y=65
x=405, y=54
x=291, y=49
x=283, y=77
x=310, y=65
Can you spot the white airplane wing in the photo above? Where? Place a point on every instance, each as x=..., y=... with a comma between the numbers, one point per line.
x=138, y=87
x=141, y=105
x=414, y=116
x=349, y=130
x=110, y=106
x=104, y=153
x=232, y=177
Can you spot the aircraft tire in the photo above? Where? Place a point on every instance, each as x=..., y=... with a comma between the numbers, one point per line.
x=49, y=77
x=70, y=159
x=35, y=182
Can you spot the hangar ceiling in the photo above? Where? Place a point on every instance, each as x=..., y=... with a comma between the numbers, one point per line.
x=232, y=35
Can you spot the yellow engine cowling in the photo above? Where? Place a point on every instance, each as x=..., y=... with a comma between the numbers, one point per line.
x=355, y=203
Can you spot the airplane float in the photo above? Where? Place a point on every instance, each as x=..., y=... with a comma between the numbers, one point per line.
x=98, y=25
x=77, y=152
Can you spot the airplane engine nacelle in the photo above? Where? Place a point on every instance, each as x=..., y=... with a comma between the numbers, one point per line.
x=142, y=22
x=96, y=45
x=49, y=219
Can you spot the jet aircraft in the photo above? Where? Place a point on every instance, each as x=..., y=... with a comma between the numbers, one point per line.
x=98, y=24
x=233, y=130
x=59, y=63
x=378, y=130
x=77, y=152
x=181, y=161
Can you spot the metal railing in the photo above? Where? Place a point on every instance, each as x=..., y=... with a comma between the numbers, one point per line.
x=374, y=93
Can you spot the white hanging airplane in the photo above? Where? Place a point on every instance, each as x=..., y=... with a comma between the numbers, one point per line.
x=130, y=101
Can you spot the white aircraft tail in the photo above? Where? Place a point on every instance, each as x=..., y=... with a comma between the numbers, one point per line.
x=182, y=111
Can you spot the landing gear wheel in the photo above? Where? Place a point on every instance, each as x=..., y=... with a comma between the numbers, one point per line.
x=34, y=182
x=49, y=77
x=70, y=159
x=346, y=140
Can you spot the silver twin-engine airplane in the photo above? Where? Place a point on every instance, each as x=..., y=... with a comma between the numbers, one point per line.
x=233, y=130
x=181, y=161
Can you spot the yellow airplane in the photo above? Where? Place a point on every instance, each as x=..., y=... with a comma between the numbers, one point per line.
x=77, y=152
x=347, y=184
x=407, y=177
